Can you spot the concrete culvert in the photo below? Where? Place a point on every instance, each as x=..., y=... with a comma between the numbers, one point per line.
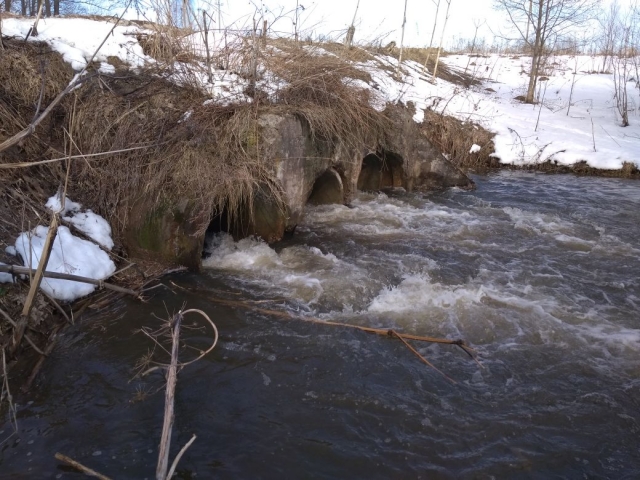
x=381, y=171
x=327, y=189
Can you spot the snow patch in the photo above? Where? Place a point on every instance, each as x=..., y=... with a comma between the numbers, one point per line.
x=89, y=223
x=70, y=255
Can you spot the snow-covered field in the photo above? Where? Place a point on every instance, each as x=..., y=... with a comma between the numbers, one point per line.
x=587, y=131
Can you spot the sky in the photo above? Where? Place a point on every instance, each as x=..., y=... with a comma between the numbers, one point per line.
x=375, y=18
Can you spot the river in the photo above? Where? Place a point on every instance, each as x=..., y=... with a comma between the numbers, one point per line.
x=540, y=274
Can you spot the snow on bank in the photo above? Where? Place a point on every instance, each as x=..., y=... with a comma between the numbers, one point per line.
x=587, y=131
x=76, y=39
x=89, y=223
x=525, y=134
x=70, y=254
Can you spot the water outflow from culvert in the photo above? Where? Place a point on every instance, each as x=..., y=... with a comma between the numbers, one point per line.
x=541, y=274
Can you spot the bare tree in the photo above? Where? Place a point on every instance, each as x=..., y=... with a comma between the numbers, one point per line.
x=477, y=24
x=608, y=24
x=433, y=33
x=348, y=41
x=444, y=27
x=549, y=19
x=404, y=22
x=624, y=58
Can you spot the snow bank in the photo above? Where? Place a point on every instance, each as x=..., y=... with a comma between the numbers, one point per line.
x=76, y=39
x=89, y=223
x=70, y=255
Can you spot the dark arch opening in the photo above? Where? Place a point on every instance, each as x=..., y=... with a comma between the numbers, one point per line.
x=380, y=171
x=327, y=189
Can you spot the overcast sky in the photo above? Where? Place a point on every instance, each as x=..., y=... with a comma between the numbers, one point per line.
x=375, y=18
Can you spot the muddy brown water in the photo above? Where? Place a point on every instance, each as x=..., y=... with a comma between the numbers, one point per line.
x=541, y=274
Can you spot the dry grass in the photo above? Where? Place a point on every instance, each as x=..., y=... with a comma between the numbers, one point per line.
x=25, y=68
x=321, y=90
x=212, y=158
x=628, y=170
x=455, y=138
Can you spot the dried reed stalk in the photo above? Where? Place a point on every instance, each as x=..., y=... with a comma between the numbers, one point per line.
x=78, y=466
x=170, y=390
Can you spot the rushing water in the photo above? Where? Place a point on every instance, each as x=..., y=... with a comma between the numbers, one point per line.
x=541, y=274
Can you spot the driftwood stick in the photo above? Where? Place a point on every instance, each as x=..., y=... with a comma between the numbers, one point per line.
x=16, y=270
x=172, y=378
x=403, y=337
x=393, y=333
x=377, y=331
x=86, y=470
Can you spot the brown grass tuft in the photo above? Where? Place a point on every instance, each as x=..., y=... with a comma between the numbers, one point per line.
x=455, y=138
x=23, y=67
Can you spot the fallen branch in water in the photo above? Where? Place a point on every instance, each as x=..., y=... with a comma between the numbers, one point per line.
x=378, y=331
x=393, y=333
x=79, y=466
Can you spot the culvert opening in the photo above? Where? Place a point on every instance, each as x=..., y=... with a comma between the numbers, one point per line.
x=381, y=171
x=327, y=189
x=235, y=225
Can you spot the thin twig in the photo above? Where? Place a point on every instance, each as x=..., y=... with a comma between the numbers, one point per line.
x=393, y=333
x=79, y=466
x=26, y=335
x=179, y=456
x=14, y=269
x=71, y=157
x=5, y=387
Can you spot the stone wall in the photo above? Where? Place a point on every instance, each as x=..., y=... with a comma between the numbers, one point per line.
x=308, y=171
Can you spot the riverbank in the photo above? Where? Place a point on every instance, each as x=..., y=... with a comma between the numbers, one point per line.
x=169, y=137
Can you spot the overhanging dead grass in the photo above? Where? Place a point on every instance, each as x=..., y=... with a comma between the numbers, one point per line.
x=207, y=155
x=455, y=138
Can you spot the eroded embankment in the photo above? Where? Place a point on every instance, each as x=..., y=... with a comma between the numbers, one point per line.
x=164, y=164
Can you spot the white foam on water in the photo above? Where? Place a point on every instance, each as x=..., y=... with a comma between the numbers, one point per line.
x=248, y=253
x=418, y=292
x=303, y=274
x=538, y=223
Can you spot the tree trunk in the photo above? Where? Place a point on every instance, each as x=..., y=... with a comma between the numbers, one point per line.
x=23, y=7
x=47, y=7
x=536, y=53
x=56, y=7
x=7, y=5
